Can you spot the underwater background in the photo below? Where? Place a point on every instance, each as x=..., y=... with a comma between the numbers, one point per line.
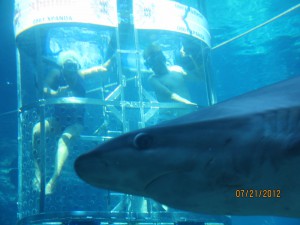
x=264, y=56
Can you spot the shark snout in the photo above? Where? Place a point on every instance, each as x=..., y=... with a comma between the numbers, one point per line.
x=87, y=168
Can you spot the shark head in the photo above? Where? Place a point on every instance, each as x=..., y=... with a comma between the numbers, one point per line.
x=133, y=162
x=160, y=162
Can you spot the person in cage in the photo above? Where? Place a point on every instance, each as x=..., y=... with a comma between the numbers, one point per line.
x=192, y=58
x=167, y=81
x=67, y=119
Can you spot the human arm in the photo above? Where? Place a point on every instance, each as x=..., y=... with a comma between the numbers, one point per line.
x=60, y=91
x=92, y=70
x=52, y=85
x=178, y=98
x=177, y=69
x=49, y=91
x=96, y=69
x=164, y=91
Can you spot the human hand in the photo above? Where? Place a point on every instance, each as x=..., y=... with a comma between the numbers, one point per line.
x=101, y=69
x=191, y=103
x=62, y=90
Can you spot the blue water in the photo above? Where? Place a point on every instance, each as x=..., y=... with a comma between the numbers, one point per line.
x=267, y=55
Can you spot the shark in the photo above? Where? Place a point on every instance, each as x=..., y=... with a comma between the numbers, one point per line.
x=237, y=157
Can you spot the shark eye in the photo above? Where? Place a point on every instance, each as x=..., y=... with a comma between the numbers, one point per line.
x=142, y=141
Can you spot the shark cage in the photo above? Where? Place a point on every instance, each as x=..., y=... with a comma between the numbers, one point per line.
x=82, y=80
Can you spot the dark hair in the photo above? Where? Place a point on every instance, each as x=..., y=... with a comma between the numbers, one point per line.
x=70, y=65
x=153, y=54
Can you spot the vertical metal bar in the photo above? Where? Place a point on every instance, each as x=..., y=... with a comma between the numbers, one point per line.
x=122, y=79
x=41, y=111
x=211, y=95
x=20, y=140
x=43, y=158
x=139, y=79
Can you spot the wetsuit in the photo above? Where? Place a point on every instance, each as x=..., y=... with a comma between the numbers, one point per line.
x=69, y=114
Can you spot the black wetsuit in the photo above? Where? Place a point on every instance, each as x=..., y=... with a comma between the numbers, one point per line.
x=69, y=114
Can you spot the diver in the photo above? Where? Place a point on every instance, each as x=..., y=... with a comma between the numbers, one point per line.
x=67, y=119
x=167, y=81
x=191, y=58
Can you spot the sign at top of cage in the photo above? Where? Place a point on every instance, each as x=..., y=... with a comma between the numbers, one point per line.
x=36, y=12
x=170, y=16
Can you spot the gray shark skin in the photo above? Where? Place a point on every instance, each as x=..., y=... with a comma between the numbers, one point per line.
x=203, y=162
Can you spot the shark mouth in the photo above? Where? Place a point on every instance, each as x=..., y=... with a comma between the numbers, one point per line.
x=159, y=178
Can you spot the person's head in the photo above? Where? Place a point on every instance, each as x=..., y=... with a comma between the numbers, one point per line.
x=69, y=61
x=154, y=58
x=70, y=65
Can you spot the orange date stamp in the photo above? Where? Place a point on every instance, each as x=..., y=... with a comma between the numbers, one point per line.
x=257, y=193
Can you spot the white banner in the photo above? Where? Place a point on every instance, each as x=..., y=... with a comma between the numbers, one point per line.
x=171, y=16
x=29, y=13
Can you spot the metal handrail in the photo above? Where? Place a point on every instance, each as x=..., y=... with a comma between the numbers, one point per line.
x=93, y=101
